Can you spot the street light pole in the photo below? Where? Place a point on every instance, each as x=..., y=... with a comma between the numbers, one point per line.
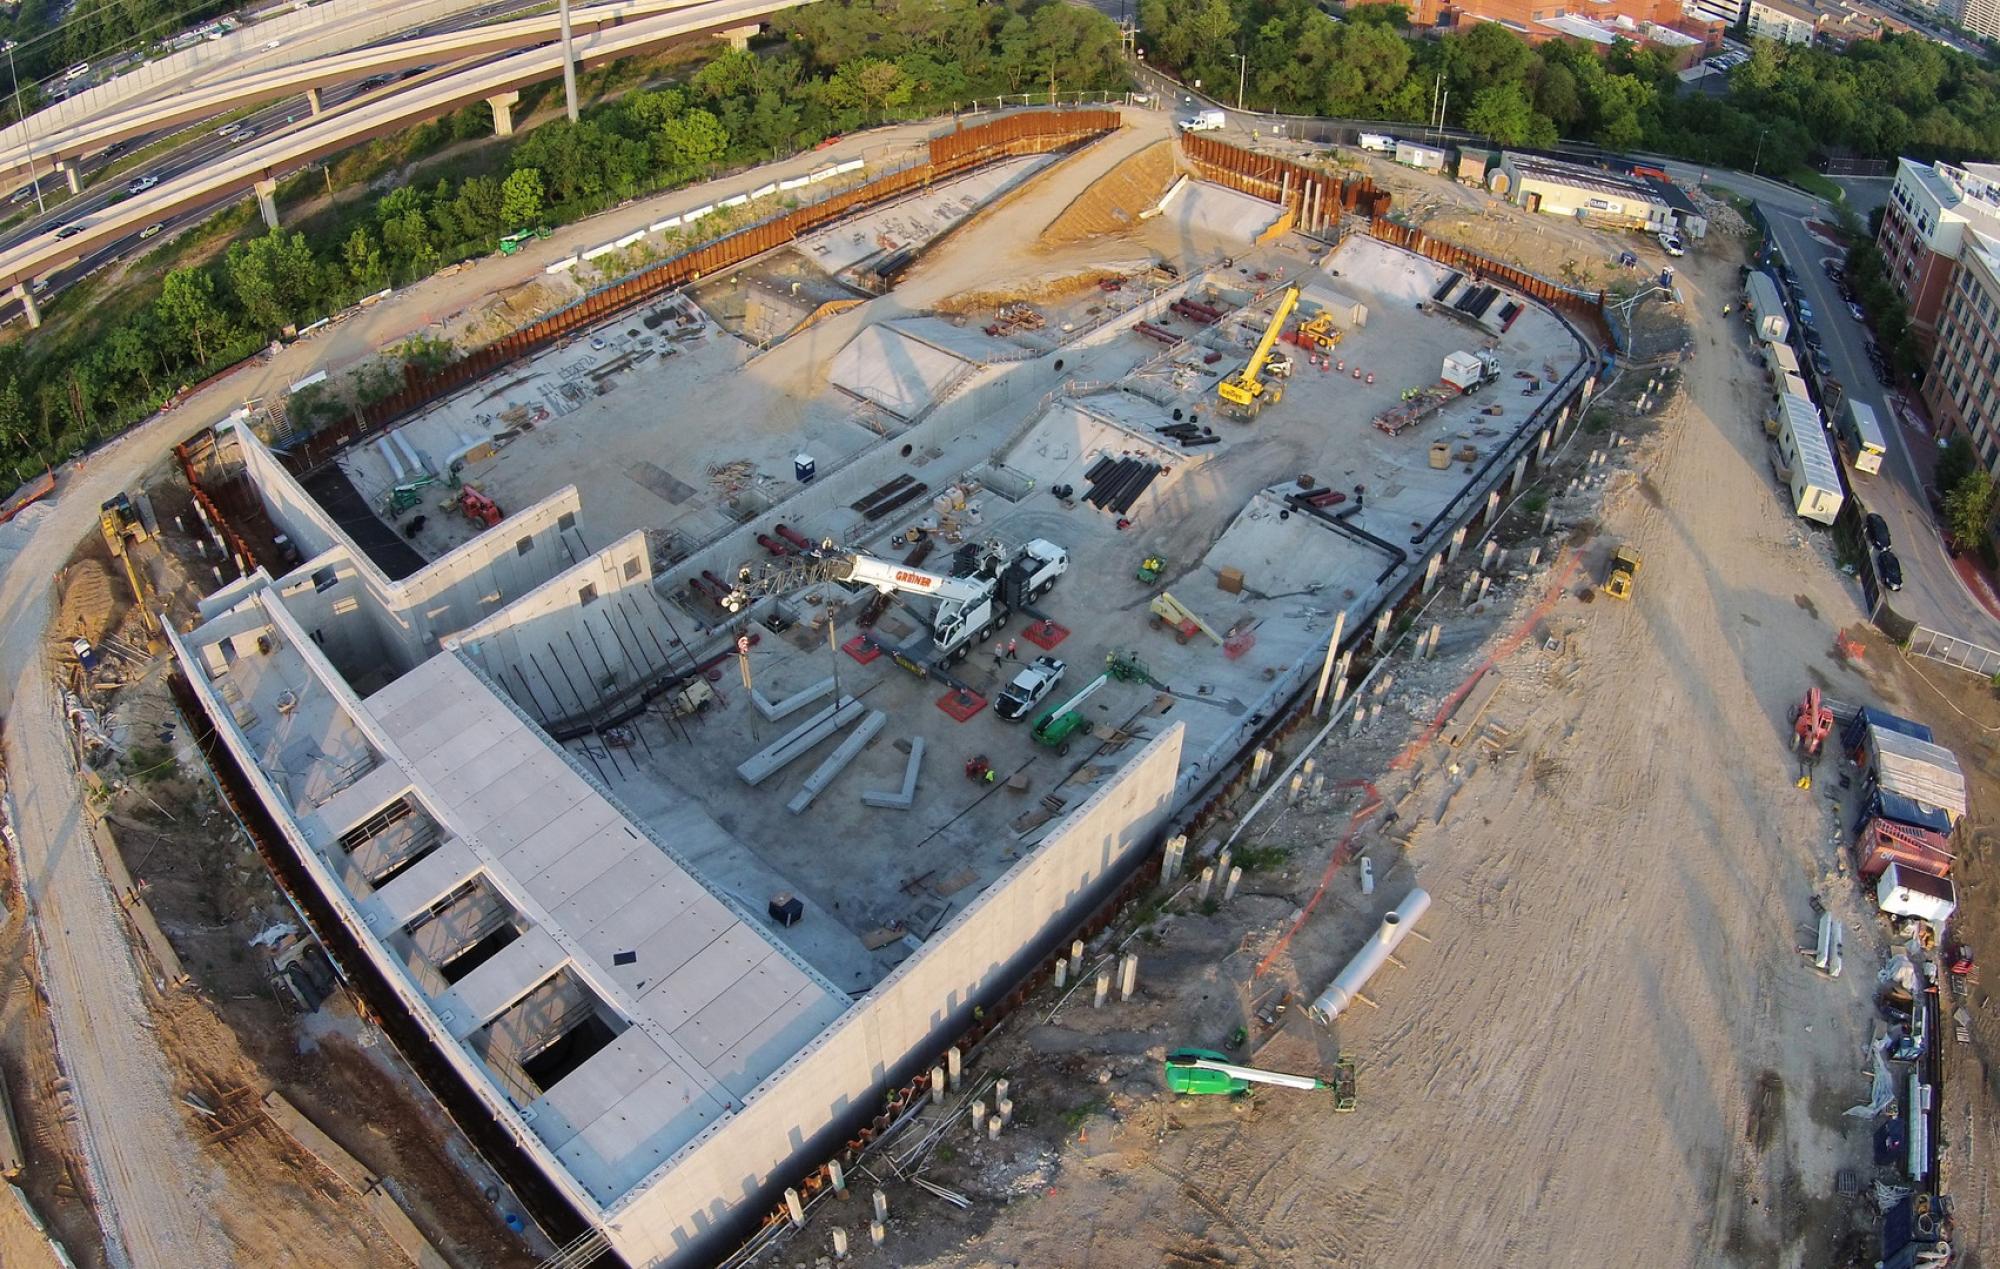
x=1758, y=158
x=1242, y=74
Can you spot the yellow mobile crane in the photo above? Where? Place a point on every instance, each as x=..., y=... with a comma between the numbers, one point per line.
x=1246, y=390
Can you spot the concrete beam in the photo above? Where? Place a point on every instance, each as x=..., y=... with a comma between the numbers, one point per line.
x=267, y=201
x=836, y=762
x=27, y=298
x=907, y=795
x=502, y=105
x=775, y=710
x=771, y=759
x=739, y=37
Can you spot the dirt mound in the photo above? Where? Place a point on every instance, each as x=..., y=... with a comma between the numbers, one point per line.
x=1112, y=203
x=92, y=603
x=1046, y=290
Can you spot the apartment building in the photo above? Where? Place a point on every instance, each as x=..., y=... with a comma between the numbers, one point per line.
x=1782, y=21
x=1960, y=386
x=1925, y=225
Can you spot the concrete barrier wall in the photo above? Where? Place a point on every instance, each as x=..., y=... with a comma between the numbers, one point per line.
x=361, y=22
x=696, y=1205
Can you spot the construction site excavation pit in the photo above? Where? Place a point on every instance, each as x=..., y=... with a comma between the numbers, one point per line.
x=887, y=626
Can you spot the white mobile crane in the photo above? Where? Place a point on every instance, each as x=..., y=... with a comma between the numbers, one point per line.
x=995, y=580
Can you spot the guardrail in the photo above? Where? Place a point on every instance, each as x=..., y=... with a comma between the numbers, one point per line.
x=1961, y=654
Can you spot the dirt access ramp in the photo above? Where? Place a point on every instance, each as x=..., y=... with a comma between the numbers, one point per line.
x=1114, y=202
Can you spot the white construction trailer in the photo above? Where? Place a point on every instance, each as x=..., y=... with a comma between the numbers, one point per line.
x=1806, y=459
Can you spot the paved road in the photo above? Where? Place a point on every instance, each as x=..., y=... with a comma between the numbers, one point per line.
x=155, y=1192
x=1933, y=592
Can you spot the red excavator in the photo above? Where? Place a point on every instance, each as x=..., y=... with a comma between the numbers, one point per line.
x=1812, y=720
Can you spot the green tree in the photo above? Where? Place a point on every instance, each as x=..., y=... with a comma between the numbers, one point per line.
x=1955, y=462
x=1969, y=506
x=688, y=144
x=1502, y=113
x=521, y=198
x=362, y=256
x=187, y=305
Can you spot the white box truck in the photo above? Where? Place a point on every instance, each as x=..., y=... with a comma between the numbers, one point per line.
x=1205, y=121
x=1862, y=433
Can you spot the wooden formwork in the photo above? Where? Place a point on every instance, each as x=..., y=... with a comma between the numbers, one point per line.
x=1036, y=132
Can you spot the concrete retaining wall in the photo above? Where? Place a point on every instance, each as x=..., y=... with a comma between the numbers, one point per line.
x=452, y=592
x=696, y=1205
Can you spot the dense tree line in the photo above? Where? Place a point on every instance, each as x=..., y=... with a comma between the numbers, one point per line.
x=842, y=65
x=1902, y=95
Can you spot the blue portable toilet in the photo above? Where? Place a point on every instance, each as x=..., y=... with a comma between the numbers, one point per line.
x=805, y=467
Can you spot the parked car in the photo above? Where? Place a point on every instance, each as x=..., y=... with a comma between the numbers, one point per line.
x=1854, y=311
x=1832, y=267
x=1805, y=312
x=1889, y=569
x=141, y=185
x=1877, y=530
x=1035, y=681
x=1670, y=242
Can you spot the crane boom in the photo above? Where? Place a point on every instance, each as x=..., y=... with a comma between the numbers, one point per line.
x=798, y=572
x=1245, y=386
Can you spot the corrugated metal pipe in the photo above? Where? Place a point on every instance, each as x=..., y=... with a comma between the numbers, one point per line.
x=1347, y=986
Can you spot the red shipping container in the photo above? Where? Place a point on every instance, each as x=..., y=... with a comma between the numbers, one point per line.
x=1883, y=842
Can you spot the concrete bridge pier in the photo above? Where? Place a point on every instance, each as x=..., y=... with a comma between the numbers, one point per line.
x=28, y=305
x=502, y=105
x=739, y=37
x=68, y=171
x=267, y=201
x=313, y=105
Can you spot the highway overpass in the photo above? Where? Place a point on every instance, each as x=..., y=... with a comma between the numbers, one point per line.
x=258, y=166
x=309, y=77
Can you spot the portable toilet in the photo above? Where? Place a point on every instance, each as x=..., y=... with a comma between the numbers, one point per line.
x=805, y=467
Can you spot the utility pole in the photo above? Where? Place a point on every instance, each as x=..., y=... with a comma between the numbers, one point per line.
x=34, y=179
x=569, y=63
x=1758, y=158
x=1242, y=74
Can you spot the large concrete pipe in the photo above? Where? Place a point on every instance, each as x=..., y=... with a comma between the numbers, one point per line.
x=1335, y=999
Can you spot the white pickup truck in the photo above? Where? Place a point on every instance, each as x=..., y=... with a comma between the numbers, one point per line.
x=1205, y=121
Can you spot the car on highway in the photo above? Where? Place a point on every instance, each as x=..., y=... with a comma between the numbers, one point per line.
x=1877, y=530
x=229, y=129
x=151, y=229
x=68, y=231
x=1035, y=681
x=23, y=194
x=242, y=136
x=373, y=82
x=141, y=185
x=1889, y=569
